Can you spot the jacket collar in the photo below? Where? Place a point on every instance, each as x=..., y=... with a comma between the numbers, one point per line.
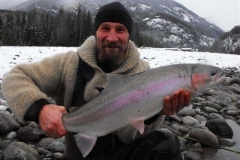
x=87, y=52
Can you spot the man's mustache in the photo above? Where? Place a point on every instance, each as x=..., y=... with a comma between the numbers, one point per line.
x=111, y=45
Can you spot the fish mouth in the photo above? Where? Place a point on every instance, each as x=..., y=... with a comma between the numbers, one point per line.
x=220, y=78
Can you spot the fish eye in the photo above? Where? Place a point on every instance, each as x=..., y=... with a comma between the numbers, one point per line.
x=213, y=73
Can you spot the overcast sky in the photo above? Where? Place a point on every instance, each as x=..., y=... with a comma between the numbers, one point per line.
x=224, y=13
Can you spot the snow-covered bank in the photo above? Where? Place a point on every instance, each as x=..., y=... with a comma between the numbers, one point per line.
x=10, y=56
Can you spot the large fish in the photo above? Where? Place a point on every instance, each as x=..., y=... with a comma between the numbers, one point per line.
x=133, y=99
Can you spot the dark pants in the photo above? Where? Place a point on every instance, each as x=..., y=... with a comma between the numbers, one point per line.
x=158, y=145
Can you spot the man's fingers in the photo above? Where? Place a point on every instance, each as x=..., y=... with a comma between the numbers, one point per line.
x=174, y=102
x=181, y=99
x=167, y=106
x=61, y=131
x=167, y=102
x=187, y=97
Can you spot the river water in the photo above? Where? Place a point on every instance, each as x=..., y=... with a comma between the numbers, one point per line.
x=227, y=155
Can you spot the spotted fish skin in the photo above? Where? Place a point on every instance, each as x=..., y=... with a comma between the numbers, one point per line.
x=133, y=99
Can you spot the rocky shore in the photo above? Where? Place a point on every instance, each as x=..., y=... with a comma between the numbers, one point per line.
x=201, y=127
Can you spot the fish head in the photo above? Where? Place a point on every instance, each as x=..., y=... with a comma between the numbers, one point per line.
x=206, y=76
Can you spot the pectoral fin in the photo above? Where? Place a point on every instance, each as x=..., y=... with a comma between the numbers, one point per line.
x=139, y=125
x=85, y=143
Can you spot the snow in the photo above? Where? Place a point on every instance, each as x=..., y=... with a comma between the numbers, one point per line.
x=11, y=56
x=144, y=7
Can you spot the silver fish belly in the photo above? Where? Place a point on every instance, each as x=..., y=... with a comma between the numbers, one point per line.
x=133, y=99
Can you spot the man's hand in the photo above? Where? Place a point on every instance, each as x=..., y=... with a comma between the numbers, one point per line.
x=50, y=120
x=176, y=102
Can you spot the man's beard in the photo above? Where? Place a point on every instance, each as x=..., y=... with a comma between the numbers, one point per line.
x=111, y=53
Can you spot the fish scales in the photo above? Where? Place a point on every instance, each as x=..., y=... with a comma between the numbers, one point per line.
x=133, y=99
x=131, y=90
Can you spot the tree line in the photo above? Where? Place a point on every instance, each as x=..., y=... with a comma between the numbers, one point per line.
x=65, y=28
x=43, y=29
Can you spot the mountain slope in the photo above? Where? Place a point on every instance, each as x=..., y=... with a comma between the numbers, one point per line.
x=168, y=22
x=229, y=42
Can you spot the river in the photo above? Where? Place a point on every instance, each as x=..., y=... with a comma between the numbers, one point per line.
x=228, y=155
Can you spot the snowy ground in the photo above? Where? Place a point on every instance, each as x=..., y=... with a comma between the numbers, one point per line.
x=10, y=56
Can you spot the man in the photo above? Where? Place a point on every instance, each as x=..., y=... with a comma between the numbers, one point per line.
x=73, y=79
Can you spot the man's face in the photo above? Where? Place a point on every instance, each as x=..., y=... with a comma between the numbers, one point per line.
x=112, y=42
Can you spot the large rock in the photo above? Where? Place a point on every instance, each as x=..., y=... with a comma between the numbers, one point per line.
x=3, y=144
x=203, y=136
x=20, y=150
x=7, y=123
x=25, y=134
x=220, y=127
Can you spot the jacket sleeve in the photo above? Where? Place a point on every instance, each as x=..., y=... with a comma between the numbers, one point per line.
x=26, y=84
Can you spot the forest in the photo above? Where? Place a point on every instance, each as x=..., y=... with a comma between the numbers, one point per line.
x=42, y=29
x=65, y=28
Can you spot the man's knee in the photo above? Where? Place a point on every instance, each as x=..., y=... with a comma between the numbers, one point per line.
x=165, y=140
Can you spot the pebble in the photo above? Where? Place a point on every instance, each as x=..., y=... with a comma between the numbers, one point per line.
x=226, y=142
x=56, y=147
x=175, y=126
x=197, y=147
x=211, y=104
x=183, y=130
x=210, y=110
x=25, y=134
x=200, y=118
x=190, y=121
x=58, y=155
x=1, y=155
x=220, y=128
x=215, y=116
x=4, y=144
x=203, y=135
x=43, y=151
x=186, y=111
x=12, y=135
x=20, y=150
x=192, y=155
x=8, y=123
x=183, y=144
x=232, y=113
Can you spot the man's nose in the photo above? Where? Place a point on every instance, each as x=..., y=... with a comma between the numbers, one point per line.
x=112, y=36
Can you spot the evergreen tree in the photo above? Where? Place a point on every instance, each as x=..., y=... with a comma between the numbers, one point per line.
x=48, y=23
x=28, y=30
x=52, y=31
x=89, y=26
x=22, y=30
x=77, y=26
x=1, y=29
x=18, y=34
x=40, y=31
x=8, y=36
x=82, y=33
x=34, y=28
x=62, y=28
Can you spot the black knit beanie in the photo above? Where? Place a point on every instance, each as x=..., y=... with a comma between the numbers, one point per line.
x=113, y=12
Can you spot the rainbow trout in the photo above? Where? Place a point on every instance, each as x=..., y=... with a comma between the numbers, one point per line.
x=133, y=99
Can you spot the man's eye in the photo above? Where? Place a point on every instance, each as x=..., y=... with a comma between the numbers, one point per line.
x=120, y=30
x=105, y=28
